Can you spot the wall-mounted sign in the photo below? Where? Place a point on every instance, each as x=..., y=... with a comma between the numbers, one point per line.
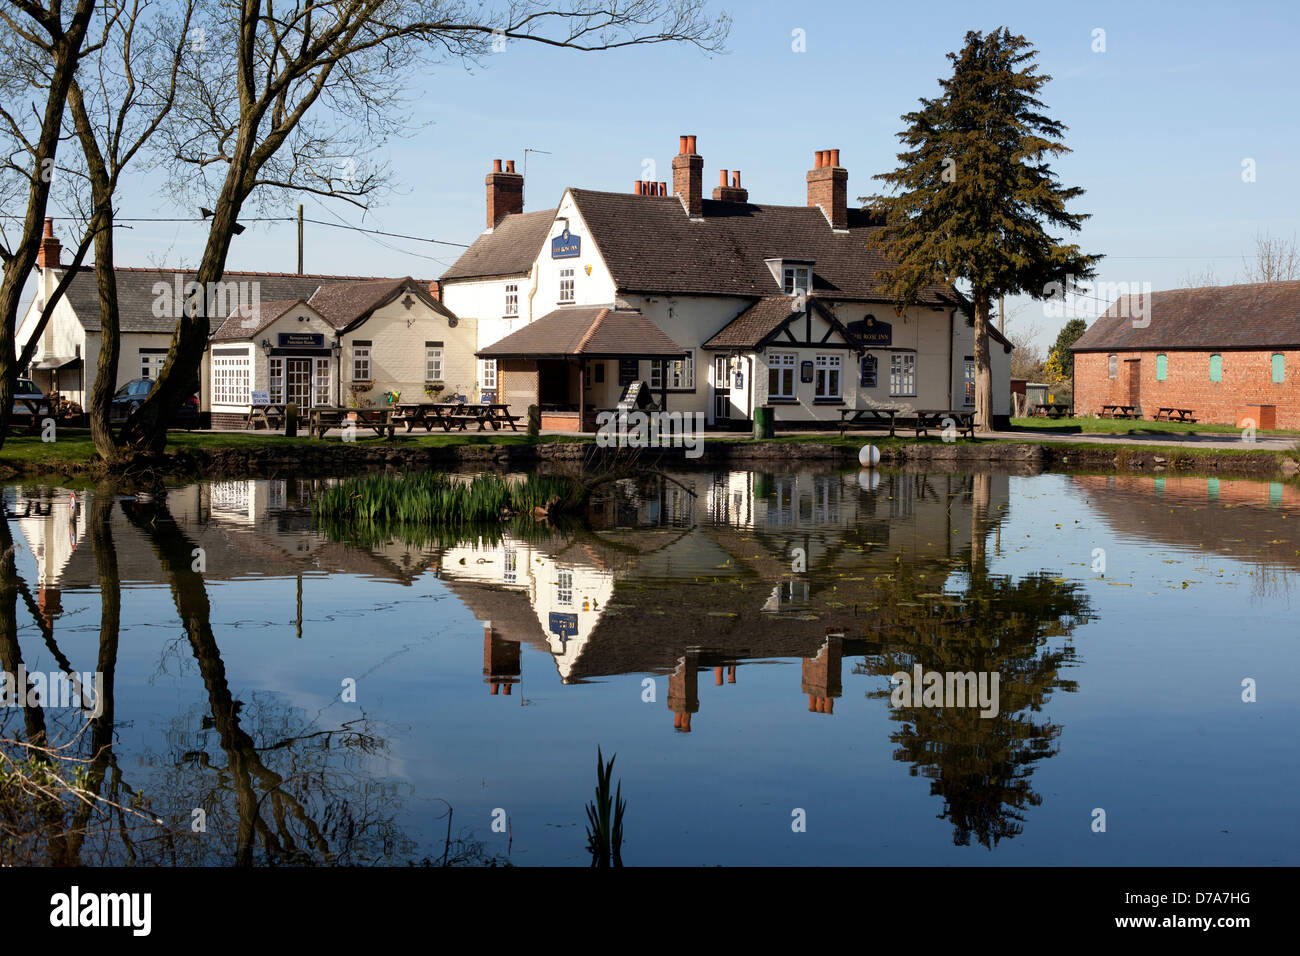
x=627, y=371
x=565, y=246
x=301, y=340
x=868, y=379
x=564, y=625
x=740, y=379
x=870, y=331
x=805, y=372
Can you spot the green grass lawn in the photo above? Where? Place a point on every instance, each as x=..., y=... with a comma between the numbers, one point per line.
x=1123, y=426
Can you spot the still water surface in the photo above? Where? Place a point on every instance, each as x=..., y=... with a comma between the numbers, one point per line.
x=731, y=639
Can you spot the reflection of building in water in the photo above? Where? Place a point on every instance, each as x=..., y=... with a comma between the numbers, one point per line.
x=52, y=523
x=502, y=667
x=821, y=676
x=566, y=587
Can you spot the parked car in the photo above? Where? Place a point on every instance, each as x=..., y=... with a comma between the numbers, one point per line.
x=30, y=404
x=132, y=395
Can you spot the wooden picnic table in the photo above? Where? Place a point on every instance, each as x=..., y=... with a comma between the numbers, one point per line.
x=963, y=419
x=1119, y=411
x=323, y=418
x=271, y=415
x=866, y=418
x=1169, y=414
x=1052, y=410
x=456, y=415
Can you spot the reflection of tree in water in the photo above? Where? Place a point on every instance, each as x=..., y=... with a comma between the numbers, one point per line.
x=275, y=788
x=981, y=766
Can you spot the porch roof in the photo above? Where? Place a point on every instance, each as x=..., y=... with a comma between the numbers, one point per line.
x=587, y=332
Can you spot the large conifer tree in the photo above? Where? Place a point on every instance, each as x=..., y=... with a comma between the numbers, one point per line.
x=974, y=196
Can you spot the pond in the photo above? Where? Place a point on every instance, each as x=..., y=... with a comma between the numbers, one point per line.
x=262, y=692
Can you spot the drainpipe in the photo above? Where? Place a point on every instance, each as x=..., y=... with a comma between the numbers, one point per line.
x=952, y=332
x=532, y=290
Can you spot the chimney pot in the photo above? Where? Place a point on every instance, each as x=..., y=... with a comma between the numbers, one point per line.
x=835, y=158
x=496, y=165
x=681, y=146
x=735, y=179
x=690, y=144
x=510, y=165
x=638, y=187
x=47, y=254
x=49, y=227
x=722, y=177
x=663, y=189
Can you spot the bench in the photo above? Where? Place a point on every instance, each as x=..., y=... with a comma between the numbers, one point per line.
x=867, y=418
x=927, y=419
x=1167, y=414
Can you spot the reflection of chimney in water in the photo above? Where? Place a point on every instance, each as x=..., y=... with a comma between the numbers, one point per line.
x=683, y=690
x=501, y=661
x=821, y=676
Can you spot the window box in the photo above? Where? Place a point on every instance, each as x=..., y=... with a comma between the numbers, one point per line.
x=361, y=386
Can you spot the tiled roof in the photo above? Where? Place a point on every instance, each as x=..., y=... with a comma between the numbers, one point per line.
x=136, y=296
x=754, y=324
x=509, y=249
x=651, y=245
x=591, y=331
x=246, y=321
x=1258, y=315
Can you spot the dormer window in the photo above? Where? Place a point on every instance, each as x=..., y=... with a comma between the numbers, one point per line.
x=796, y=279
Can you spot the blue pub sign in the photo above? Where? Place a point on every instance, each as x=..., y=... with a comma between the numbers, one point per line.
x=565, y=246
x=563, y=626
x=870, y=331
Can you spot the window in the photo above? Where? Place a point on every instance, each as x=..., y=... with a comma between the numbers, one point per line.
x=1216, y=368
x=796, y=279
x=1112, y=368
x=487, y=376
x=320, y=382
x=231, y=371
x=511, y=572
x=564, y=586
x=566, y=285
x=361, y=361
x=276, y=377
x=512, y=299
x=1279, y=367
x=681, y=373
x=432, y=362
x=780, y=375
x=151, y=363
x=868, y=379
x=968, y=378
x=902, y=374
x=1162, y=367
x=827, y=377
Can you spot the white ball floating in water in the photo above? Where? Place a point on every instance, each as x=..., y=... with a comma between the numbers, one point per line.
x=869, y=457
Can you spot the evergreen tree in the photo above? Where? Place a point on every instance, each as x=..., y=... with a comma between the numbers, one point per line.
x=1069, y=334
x=975, y=192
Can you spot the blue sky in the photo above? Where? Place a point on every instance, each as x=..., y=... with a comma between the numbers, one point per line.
x=1160, y=124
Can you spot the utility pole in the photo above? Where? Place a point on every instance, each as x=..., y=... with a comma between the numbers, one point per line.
x=299, y=238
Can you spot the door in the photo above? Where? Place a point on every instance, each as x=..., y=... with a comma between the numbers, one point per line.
x=721, y=389
x=1134, y=367
x=298, y=381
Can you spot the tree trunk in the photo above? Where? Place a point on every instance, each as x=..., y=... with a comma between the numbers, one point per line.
x=983, y=364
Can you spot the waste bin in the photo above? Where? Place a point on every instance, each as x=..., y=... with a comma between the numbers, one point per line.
x=764, y=418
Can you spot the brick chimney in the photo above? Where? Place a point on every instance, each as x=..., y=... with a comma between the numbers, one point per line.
x=435, y=290
x=732, y=193
x=828, y=187
x=47, y=256
x=688, y=176
x=505, y=192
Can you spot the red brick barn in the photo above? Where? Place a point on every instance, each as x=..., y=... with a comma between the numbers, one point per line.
x=1227, y=353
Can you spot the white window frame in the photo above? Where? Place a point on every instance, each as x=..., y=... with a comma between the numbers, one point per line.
x=232, y=379
x=361, y=360
x=902, y=375
x=828, y=368
x=154, y=361
x=275, y=378
x=320, y=380
x=796, y=279
x=568, y=285
x=783, y=363
x=968, y=382
x=564, y=587
x=681, y=373
x=487, y=375
x=512, y=300
x=432, y=363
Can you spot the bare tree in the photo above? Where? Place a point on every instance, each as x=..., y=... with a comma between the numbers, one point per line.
x=114, y=112
x=1203, y=279
x=295, y=97
x=1276, y=259
x=41, y=41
